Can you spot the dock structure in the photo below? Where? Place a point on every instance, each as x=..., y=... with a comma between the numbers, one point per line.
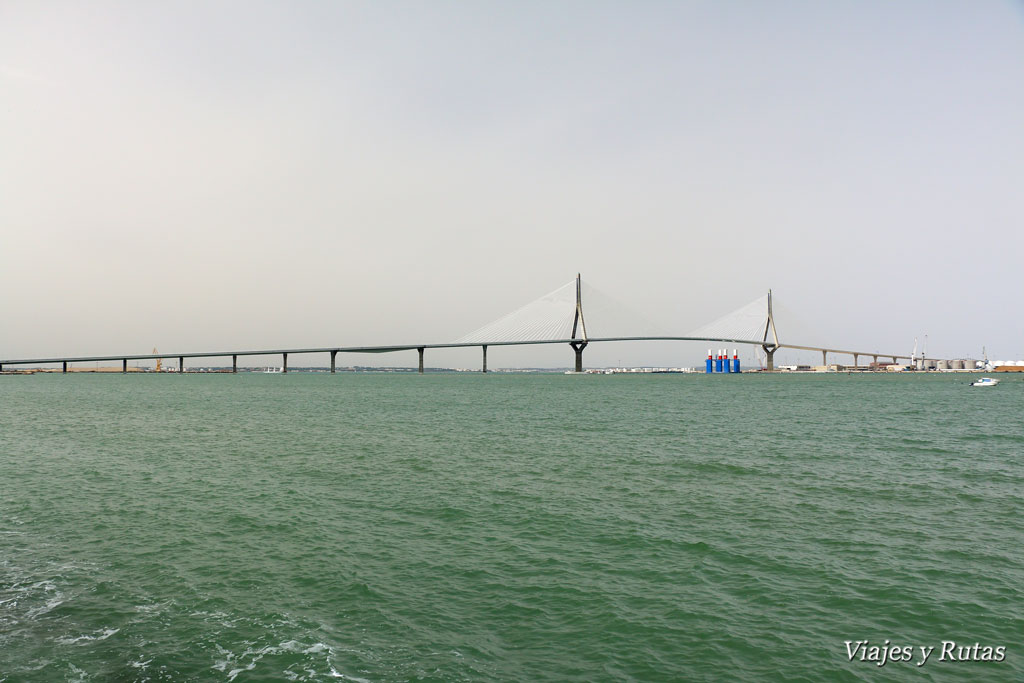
x=544, y=321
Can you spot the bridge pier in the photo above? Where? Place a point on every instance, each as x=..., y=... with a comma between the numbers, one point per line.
x=284, y=363
x=124, y=366
x=855, y=357
x=484, y=369
x=234, y=363
x=65, y=367
x=875, y=360
x=824, y=357
x=770, y=362
x=334, y=355
x=419, y=350
x=181, y=363
x=578, y=347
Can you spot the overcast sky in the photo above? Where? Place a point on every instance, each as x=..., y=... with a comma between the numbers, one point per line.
x=204, y=175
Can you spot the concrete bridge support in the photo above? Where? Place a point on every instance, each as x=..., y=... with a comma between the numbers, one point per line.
x=770, y=362
x=64, y=367
x=234, y=363
x=124, y=365
x=419, y=350
x=484, y=369
x=284, y=362
x=824, y=357
x=855, y=357
x=334, y=356
x=181, y=363
x=578, y=347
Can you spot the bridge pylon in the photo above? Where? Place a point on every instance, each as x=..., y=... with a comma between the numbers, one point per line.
x=579, y=323
x=769, y=326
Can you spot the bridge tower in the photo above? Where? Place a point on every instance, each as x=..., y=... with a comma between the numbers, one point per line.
x=769, y=326
x=579, y=322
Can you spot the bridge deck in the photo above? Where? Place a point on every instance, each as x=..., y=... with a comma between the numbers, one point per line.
x=411, y=347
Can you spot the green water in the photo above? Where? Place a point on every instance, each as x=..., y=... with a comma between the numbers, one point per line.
x=506, y=527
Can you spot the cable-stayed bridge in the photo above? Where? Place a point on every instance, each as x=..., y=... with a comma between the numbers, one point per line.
x=574, y=314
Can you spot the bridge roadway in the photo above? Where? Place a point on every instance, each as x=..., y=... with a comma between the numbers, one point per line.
x=420, y=348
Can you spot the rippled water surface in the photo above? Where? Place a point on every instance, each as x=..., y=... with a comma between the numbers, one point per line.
x=506, y=527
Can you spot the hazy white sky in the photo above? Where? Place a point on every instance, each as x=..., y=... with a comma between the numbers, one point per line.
x=202, y=175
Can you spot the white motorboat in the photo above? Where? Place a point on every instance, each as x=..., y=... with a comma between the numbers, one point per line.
x=985, y=382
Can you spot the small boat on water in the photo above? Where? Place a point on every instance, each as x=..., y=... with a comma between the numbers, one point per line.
x=984, y=382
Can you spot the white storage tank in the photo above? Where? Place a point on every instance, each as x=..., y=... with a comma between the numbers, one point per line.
x=956, y=364
x=943, y=365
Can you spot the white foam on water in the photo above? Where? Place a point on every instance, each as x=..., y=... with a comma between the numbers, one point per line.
x=336, y=674
x=103, y=635
x=82, y=675
x=296, y=646
x=43, y=609
x=222, y=618
x=256, y=655
x=222, y=664
x=234, y=664
x=151, y=607
x=250, y=667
